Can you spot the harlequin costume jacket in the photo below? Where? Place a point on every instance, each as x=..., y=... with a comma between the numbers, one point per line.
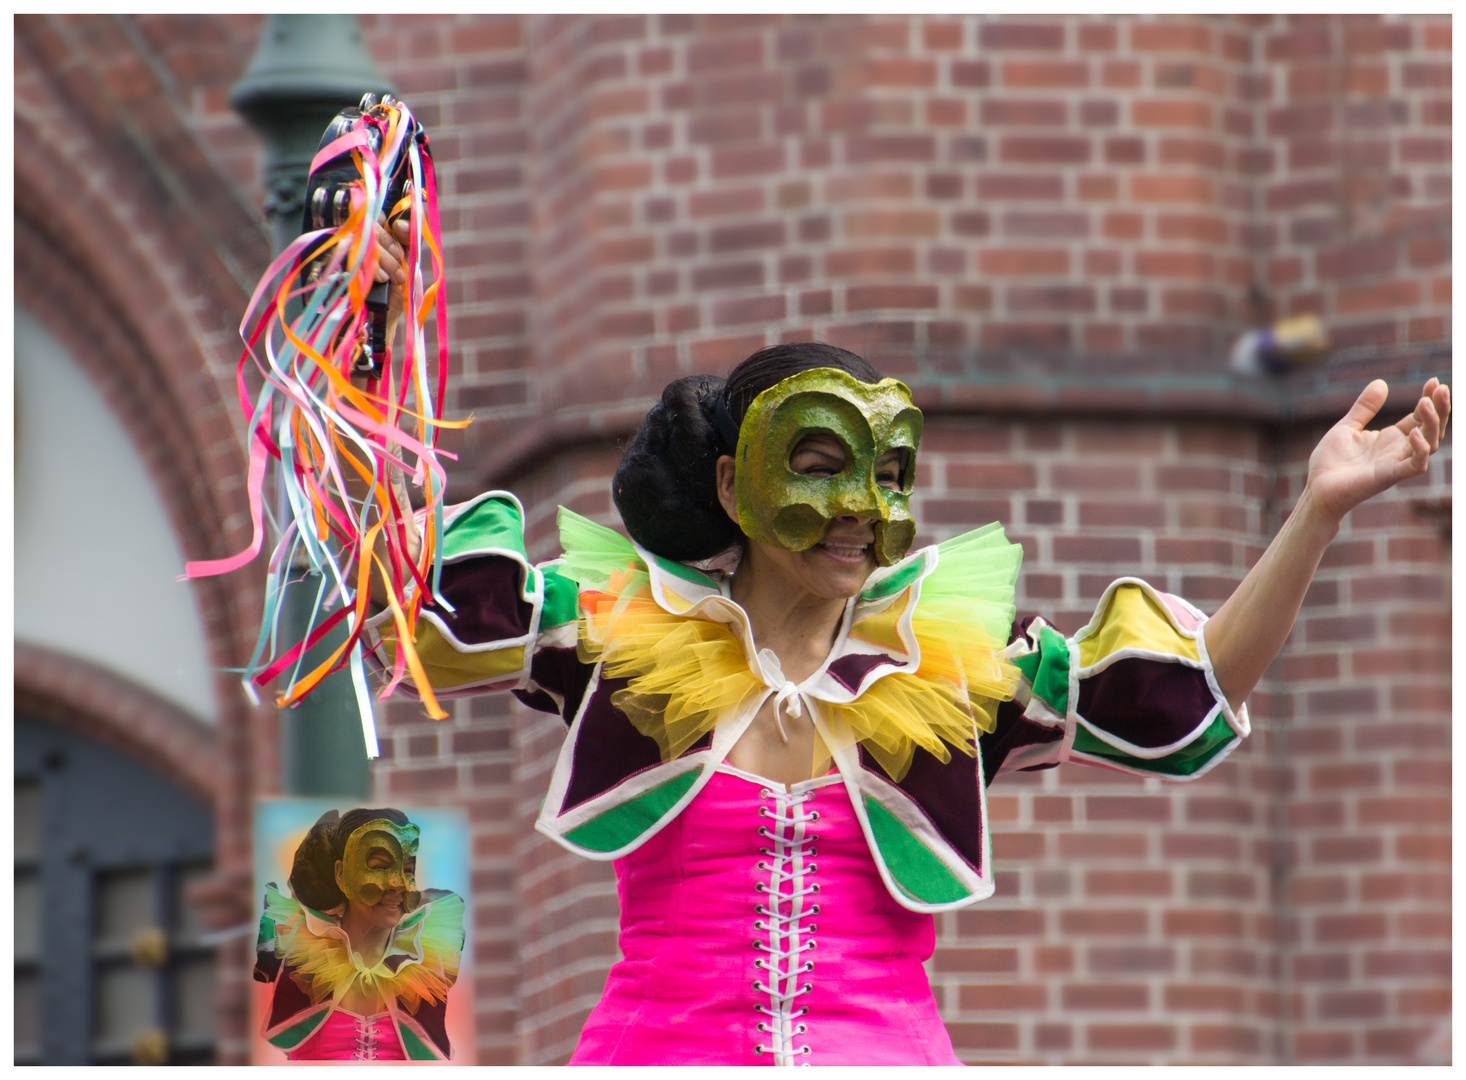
x=309, y=958
x=1133, y=690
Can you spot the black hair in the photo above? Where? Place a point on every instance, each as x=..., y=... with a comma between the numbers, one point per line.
x=666, y=486
x=313, y=872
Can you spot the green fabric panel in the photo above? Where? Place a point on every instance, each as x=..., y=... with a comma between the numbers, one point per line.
x=491, y=524
x=561, y=598
x=1051, y=677
x=267, y=931
x=894, y=583
x=919, y=873
x=1183, y=762
x=411, y=920
x=622, y=824
x=1027, y=665
x=293, y=1036
x=416, y=1049
x=686, y=573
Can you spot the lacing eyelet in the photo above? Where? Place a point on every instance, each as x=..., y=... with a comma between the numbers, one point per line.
x=765, y=793
x=759, y=1048
x=808, y=967
x=801, y=1029
x=804, y=1050
x=813, y=910
x=763, y=811
x=814, y=815
x=815, y=887
x=811, y=944
x=761, y=887
x=759, y=909
x=761, y=865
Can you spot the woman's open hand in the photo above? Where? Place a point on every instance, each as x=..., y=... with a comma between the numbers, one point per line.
x=1351, y=464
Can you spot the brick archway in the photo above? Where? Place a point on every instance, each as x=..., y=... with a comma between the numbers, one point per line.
x=89, y=700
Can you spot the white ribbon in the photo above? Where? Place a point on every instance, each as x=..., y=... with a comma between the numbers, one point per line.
x=788, y=695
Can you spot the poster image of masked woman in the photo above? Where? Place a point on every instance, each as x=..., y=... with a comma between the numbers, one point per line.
x=357, y=958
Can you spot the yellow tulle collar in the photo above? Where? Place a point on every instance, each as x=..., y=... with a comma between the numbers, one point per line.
x=420, y=962
x=917, y=664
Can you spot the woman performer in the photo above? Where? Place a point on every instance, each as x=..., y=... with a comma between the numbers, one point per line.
x=362, y=961
x=787, y=760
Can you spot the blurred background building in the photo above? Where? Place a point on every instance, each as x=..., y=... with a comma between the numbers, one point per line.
x=1055, y=229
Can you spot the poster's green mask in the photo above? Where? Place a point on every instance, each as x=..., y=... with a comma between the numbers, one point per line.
x=778, y=506
x=367, y=885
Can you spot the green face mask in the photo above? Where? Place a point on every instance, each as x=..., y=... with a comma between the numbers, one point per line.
x=778, y=506
x=366, y=885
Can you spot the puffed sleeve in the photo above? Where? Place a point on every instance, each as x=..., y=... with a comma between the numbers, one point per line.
x=509, y=625
x=1133, y=690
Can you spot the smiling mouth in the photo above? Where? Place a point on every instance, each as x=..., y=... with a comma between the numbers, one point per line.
x=850, y=551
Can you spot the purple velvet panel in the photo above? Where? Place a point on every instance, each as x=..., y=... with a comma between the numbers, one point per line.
x=485, y=592
x=949, y=796
x=1011, y=732
x=850, y=671
x=433, y=1016
x=607, y=749
x=538, y=700
x=288, y=998
x=1147, y=703
x=560, y=671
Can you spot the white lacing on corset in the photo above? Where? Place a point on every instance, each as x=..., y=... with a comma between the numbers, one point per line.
x=366, y=1038
x=784, y=918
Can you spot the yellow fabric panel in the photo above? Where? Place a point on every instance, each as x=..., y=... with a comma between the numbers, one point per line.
x=883, y=628
x=1134, y=620
x=446, y=667
x=675, y=600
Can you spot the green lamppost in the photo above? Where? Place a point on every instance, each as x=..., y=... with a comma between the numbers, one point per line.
x=305, y=70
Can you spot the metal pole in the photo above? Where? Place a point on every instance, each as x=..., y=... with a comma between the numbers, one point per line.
x=305, y=70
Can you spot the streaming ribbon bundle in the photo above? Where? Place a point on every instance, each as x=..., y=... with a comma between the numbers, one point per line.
x=320, y=428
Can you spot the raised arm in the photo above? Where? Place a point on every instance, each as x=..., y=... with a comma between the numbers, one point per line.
x=1348, y=466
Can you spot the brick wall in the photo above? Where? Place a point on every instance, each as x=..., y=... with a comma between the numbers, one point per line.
x=1054, y=228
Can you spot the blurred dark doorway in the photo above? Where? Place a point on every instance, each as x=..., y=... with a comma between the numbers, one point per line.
x=111, y=966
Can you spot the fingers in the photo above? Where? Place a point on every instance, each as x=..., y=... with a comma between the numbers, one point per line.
x=1429, y=415
x=391, y=259
x=1419, y=451
x=1442, y=399
x=1369, y=402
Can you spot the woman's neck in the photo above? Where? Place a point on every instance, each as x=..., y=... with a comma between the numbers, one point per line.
x=368, y=937
x=796, y=625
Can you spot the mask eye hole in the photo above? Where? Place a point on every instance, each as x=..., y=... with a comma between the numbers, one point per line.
x=819, y=455
x=379, y=859
x=893, y=469
x=410, y=867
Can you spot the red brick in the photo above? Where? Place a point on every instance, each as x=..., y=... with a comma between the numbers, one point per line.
x=1130, y=1036
x=1030, y=36
x=1120, y=997
x=1174, y=113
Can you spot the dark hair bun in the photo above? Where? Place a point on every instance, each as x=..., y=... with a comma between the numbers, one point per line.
x=313, y=873
x=666, y=485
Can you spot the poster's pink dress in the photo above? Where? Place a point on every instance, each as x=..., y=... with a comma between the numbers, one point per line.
x=348, y=1037
x=755, y=929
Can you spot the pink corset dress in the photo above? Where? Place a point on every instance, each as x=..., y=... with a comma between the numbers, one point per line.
x=756, y=930
x=348, y=1037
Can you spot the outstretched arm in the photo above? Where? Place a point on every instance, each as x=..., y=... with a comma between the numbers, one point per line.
x=1348, y=466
